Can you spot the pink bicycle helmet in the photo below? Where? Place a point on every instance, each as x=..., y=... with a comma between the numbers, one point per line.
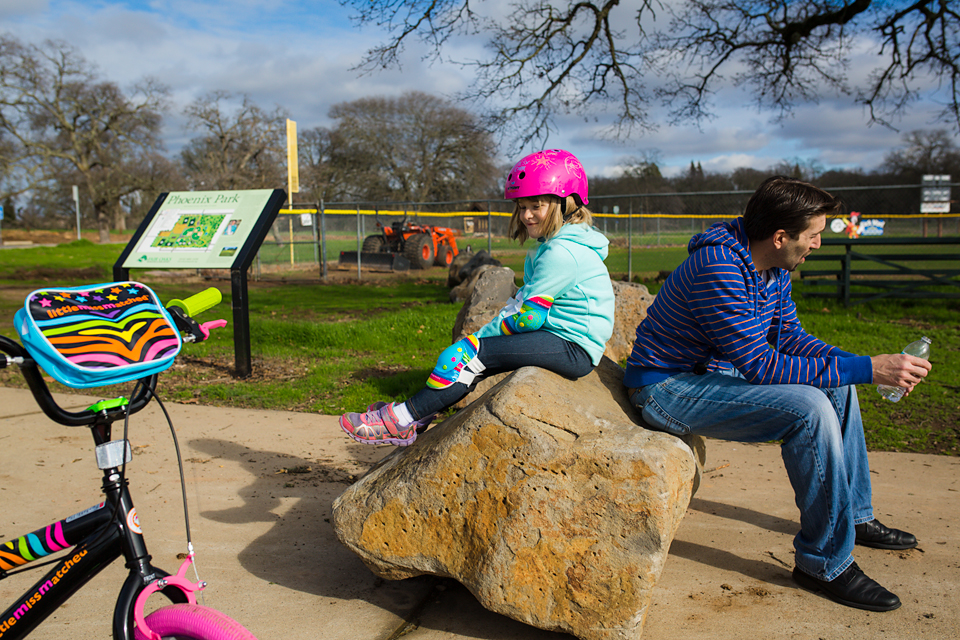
x=550, y=172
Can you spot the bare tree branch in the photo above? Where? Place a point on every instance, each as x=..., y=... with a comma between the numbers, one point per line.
x=606, y=60
x=922, y=38
x=239, y=149
x=415, y=148
x=57, y=117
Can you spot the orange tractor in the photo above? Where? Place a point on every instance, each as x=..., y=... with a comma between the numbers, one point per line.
x=403, y=245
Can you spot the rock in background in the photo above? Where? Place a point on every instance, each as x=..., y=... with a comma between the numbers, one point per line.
x=633, y=299
x=463, y=269
x=491, y=289
x=544, y=498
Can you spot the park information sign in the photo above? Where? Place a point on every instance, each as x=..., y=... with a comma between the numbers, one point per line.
x=935, y=194
x=198, y=230
x=207, y=230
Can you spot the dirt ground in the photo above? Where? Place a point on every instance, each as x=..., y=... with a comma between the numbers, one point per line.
x=261, y=486
x=39, y=236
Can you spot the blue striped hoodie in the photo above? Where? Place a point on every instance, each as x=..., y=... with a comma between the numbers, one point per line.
x=716, y=310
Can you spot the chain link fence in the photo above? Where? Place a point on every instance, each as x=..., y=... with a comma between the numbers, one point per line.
x=308, y=236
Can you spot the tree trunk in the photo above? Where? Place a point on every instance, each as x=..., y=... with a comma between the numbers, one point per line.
x=103, y=225
x=119, y=218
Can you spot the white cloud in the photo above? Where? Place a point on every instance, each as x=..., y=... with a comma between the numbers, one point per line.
x=16, y=8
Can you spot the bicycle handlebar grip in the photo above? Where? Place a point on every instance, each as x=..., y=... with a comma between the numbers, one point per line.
x=198, y=302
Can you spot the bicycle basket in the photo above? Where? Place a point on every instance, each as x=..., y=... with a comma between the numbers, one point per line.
x=98, y=335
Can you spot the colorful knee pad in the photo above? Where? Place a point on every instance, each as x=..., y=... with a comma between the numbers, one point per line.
x=457, y=363
x=532, y=315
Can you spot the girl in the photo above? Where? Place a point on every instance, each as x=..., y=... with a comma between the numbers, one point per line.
x=560, y=319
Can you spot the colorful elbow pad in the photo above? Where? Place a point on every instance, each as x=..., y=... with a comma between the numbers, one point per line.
x=532, y=315
x=457, y=363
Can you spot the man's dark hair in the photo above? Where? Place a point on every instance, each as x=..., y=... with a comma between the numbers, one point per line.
x=788, y=204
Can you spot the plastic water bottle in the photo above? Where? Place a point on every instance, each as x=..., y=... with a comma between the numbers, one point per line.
x=921, y=349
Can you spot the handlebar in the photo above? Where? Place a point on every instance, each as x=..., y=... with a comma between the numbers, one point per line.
x=199, y=302
x=41, y=392
x=12, y=352
x=182, y=310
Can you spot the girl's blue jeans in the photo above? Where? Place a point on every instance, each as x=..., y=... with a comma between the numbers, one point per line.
x=500, y=354
x=823, y=448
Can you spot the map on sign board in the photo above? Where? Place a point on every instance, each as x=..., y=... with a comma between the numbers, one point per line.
x=190, y=231
x=203, y=230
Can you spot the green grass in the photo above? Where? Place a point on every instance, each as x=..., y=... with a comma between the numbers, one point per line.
x=36, y=265
x=927, y=420
x=332, y=356
x=331, y=348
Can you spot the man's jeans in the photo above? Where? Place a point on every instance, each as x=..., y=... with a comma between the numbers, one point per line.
x=823, y=448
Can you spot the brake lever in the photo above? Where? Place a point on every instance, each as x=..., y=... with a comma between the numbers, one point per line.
x=213, y=324
x=195, y=331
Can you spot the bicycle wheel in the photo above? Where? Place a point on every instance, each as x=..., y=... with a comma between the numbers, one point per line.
x=193, y=622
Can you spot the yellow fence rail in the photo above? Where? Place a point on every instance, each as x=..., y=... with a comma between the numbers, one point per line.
x=612, y=216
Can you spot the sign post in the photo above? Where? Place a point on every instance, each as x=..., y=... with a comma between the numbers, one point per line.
x=76, y=201
x=207, y=230
x=935, y=198
x=293, y=176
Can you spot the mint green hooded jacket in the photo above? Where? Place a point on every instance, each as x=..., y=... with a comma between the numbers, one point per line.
x=568, y=268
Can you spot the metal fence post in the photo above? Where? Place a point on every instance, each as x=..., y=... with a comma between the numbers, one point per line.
x=846, y=276
x=630, y=243
x=290, y=228
x=313, y=229
x=358, y=243
x=489, y=228
x=323, y=241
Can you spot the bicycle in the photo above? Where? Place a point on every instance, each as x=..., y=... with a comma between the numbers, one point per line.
x=147, y=335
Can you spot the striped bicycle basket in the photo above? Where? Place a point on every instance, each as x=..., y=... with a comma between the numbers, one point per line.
x=98, y=335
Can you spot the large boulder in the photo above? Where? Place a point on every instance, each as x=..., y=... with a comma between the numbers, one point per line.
x=544, y=498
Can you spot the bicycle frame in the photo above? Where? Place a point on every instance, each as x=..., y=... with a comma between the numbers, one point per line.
x=96, y=536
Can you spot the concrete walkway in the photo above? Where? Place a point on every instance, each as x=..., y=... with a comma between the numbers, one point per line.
x=261, y=485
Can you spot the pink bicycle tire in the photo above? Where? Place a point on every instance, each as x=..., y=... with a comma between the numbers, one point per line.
x=193, y=622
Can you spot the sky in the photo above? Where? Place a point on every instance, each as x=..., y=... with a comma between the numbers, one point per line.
x=300, y=55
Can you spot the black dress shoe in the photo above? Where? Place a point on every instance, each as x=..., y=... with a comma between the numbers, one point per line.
x=852, y=588
x=874, y=534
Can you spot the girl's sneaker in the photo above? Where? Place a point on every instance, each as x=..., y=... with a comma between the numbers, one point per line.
x=421, y=424
x=378, y=427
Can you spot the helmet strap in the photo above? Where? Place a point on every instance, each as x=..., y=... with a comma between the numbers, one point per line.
x=567, y=216
x=563, y=206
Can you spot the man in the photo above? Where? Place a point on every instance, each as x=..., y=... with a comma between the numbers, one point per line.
x=722, y=354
